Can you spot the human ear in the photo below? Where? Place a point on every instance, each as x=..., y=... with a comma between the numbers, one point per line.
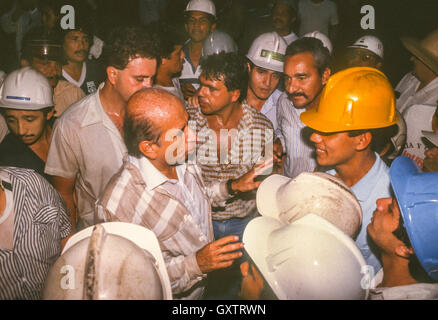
x=326, y=75
x=363, y=141
x=148, y=149
x=50, y=114
x=112, y=74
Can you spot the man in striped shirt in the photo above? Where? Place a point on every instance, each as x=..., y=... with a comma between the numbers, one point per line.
x=232, y=137
x=306, y=72
x=157, y=189
x=33, y=221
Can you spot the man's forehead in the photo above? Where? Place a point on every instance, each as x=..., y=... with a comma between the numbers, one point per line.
x=76, y=33
x=197, y=14
x=138, y=64
x=21, y=113
x=210, y=80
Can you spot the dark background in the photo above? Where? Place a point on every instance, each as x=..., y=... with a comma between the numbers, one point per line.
x=244, y=18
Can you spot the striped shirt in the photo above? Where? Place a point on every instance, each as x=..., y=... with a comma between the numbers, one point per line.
x=300, y=155
x=130, y=197
x=253, y=135
x=41, y=220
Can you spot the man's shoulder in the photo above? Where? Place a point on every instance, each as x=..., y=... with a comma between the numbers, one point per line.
x=64, y=86
x=74, y=115
x=254, y=118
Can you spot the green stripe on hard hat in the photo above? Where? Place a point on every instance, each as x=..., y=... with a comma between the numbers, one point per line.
x=271, y=54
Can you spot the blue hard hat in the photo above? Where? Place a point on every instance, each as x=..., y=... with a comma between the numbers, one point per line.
x=417, y=196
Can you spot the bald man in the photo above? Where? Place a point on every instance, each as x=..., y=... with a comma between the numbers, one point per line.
x=158, y=189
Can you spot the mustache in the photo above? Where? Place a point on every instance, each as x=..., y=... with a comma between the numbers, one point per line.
x=297, y=94
x=80, y=51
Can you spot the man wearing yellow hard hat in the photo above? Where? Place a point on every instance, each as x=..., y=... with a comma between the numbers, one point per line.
x=350, y=125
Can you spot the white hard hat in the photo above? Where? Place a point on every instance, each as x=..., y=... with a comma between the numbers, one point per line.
x=322, y=37
x=2, y=77
x=370, y=43
x=26, y=89
x=320, y=193
x=113, y=260
x=308, y=259
x=218, y=41
x=206, y=6
x=398, y=141
x=268, y=51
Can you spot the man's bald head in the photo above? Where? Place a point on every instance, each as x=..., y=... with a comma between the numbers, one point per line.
x=149, y=113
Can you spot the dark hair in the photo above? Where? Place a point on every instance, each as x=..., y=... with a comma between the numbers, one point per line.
x=170, y=36
x=380, y=136
x=230, y=67
x=54, y=5
x=138, y=128
x=320, y=54
x=45, y=110
x=415, y=268
x=126, y=43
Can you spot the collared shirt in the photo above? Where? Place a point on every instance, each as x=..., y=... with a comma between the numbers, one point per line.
x=189, y=73
x=185, y=188
x=140, y=197
x=300, y=153
x=291, y=37
x=409, y=96
x=269, y=108
x=374, y=185
x=86, y=146
x=254, y=134
x=41, y=220
x=91, y=77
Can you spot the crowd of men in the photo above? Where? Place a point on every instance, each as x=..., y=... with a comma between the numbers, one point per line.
x=242, y=170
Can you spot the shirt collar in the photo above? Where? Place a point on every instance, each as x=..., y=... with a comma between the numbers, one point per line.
x=151, y=175
x=94, y=113
x=362, y=189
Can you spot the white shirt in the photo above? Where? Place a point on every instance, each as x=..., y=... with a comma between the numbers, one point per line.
x=317, y=16
x=87, y=146
x=407, y=87
x=175, y=89
x=418, y=117
x=299, y=150
x=291, y=37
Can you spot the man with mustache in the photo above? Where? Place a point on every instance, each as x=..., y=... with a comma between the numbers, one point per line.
x=43, y=52
x=306, y=70
x=284, y=18
x=26, y=103
x=79, y=71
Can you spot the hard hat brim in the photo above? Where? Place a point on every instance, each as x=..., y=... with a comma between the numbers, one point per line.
x=141, y=236
x=314, y=120
x=414, y=47
x=431, y=136
x=266, y=65
x=266, y=199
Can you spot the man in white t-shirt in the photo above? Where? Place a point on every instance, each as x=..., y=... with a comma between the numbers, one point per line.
x=319, y=15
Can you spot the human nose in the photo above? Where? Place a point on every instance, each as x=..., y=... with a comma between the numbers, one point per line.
x=316, y=138
x=291, y=85
x=22, y=128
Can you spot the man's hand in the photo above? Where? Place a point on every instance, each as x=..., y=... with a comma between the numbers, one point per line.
x=219, y=254
x=188, y=90
x=246, y=182
x=279, y=156
x=193, y=101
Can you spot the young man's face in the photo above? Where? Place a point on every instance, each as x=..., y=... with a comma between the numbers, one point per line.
x=303, y=83
x=214, y=95
x=175, y=61
x=384, y=222
x=333, y=149
x=262, y=82
x=198, y=26
x=28, y=126
x=138, y=74
x=49, y=68
x=76, y=46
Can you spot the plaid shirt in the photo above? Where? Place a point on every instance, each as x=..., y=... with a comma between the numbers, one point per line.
x=129, y=198
x=254, y=134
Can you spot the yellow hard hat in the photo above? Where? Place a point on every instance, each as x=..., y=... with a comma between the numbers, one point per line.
x=354, y=99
